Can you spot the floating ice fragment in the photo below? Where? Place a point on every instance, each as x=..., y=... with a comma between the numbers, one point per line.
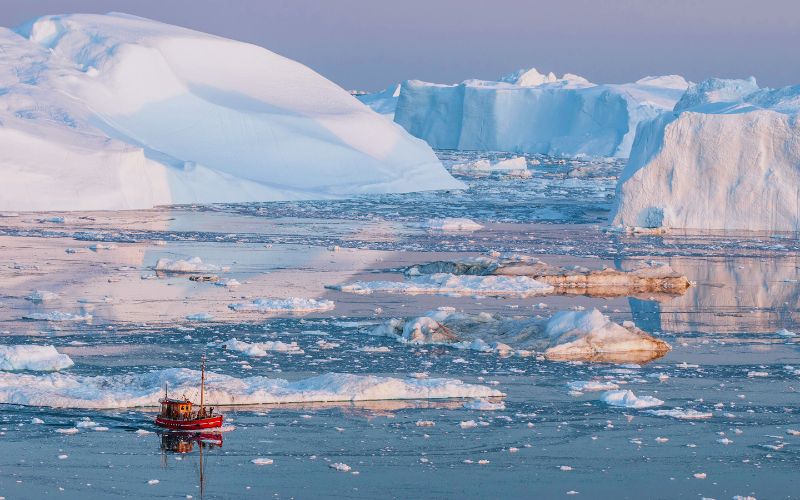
x=41, y=296
x=32, y=357
x=340, y=466
x=627, y=399
x=484, y=405
x=203, y=316
x=57, y=316
x=261, y=461
x=681, y=414
x=592, y=385
x=192, y=265
x=291, y=304
x=259, y=349
x=468, y=424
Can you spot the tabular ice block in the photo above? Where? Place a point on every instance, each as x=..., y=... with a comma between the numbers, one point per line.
x=115, y=112
x=727, y=157
x=532, y=113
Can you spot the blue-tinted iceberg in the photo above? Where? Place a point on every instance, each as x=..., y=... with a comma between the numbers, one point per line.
x=528, y=112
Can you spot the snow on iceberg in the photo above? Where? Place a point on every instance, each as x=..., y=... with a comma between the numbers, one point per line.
x=592, y=335
x=119, y=112
x=726, y=158
x=292, y=305
x=32, y=357
x=528, y=112
x=144, y=389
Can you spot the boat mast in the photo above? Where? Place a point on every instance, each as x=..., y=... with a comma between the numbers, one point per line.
x=202, y=379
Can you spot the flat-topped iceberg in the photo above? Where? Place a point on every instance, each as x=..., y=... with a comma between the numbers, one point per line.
x=119, y=112
x=727, y=157
x=144, y=389
x=528, y=112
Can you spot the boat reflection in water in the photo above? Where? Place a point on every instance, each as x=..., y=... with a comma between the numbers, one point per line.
x=184, y=442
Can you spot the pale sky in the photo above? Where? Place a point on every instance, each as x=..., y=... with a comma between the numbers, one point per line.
x=370, y=44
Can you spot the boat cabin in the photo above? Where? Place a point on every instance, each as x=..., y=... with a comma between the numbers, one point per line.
x=176, y=409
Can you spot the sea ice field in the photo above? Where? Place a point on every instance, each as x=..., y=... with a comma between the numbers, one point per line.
x=294, y=304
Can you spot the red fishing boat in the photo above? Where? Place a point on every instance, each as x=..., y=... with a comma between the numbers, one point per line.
x=179, y=414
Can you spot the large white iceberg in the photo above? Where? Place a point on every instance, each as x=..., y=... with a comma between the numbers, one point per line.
x=116, y=112
x=528, y=112
x=727, y=157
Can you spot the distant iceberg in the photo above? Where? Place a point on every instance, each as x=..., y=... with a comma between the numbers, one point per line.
x=530, y=112
x=727, y=157
x=120, y=112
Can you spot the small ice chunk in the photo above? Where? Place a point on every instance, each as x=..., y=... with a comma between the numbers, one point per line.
x=340, y=466
x=681, y=414
x=484, y=405
x=592, y=385
x=261, y=461
x=627, y=399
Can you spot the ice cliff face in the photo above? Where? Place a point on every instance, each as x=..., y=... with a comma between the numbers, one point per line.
x=114, y=112
x=534, y=113
x=727, y=157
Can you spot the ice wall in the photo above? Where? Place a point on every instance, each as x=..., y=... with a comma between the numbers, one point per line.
x=727, y=157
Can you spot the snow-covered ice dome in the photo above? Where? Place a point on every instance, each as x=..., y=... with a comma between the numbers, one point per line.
x=727, y=157
x=120, y=112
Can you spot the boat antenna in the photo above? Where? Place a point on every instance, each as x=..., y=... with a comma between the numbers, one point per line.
x=166, y=390
x=202, y=379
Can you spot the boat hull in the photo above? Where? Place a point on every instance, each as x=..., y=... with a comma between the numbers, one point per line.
x=190, y=425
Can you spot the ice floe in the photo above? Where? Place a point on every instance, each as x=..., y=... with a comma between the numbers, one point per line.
x=41, y=296
x=513, y=167
x=592, y=385
x=57, y=316
x=291, y=304
x=649, y=276
x=33, y=357
x=144, y=389
x=567, y=336
x=484, y=405
x=259, y=349
x=450, y=225
x=681, y=414
x=627, y=399
x=446, y=283
x=191, y=265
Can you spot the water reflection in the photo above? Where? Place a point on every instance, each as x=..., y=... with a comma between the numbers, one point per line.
x=183, y=443
x=732, y=295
